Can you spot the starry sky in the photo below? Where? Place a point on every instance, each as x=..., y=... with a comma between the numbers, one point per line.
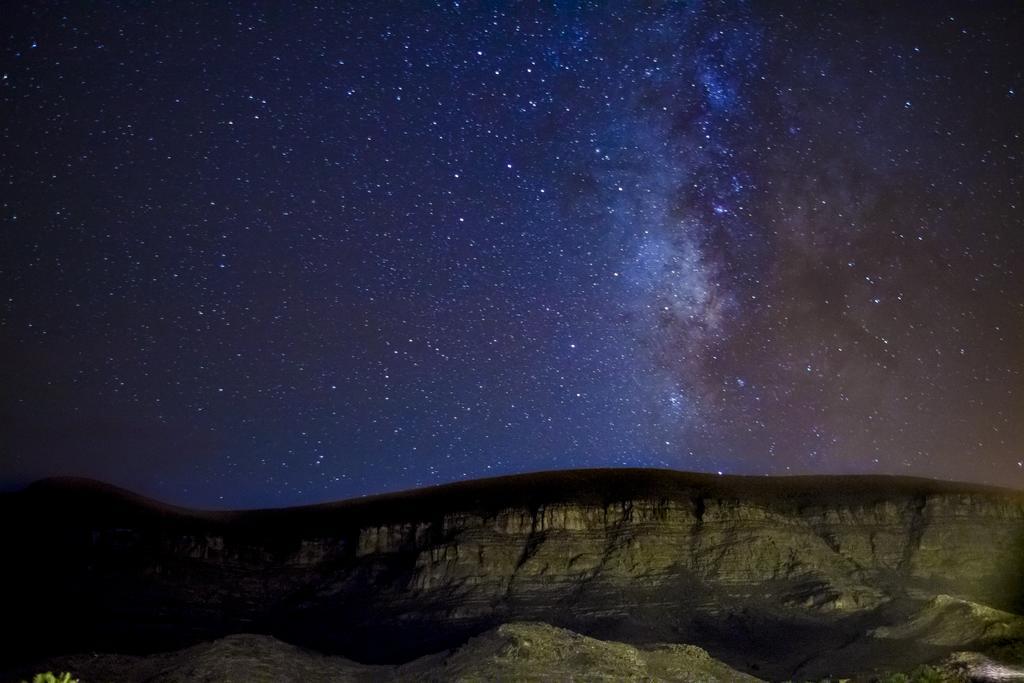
x=272, y=254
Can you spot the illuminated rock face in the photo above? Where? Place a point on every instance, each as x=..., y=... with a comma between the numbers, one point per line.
x=633, y=555
x=519, y=651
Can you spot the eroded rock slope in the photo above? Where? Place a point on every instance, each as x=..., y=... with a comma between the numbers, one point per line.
x=639, y=556
x=521, y=651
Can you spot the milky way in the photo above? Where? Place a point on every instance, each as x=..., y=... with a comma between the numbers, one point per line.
x=262, y=258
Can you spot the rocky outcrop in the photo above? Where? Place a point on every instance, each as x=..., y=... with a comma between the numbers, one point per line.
x=961, y=640
x=241, y=657
x=539, y=652
x=511, y=652
x=945, y=620
x=639, y=556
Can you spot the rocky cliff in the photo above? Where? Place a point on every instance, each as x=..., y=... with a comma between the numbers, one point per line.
x=638, y=556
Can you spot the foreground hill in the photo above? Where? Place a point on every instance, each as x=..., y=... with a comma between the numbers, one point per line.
x=512, y=652
x=770, y=575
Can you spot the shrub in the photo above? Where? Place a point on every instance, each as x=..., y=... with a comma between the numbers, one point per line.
x=51, y=678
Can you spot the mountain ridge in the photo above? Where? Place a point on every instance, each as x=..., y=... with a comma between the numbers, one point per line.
x=574, y=477
x=633, y=556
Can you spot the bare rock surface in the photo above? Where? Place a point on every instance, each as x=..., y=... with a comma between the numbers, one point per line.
x=977, y=667
x=949, y=621
x=512, y=652
x=770, y=575
x=238, y=658
x=966, y=640
x=536, y=651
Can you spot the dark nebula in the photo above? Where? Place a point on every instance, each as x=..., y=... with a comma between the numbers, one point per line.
x=259, y=257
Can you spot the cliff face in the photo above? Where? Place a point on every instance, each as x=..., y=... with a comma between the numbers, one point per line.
x=633, y=555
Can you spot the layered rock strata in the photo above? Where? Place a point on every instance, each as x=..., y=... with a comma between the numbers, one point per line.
x=639, y=556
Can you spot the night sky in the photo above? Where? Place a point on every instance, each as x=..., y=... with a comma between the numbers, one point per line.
x=257, y=257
